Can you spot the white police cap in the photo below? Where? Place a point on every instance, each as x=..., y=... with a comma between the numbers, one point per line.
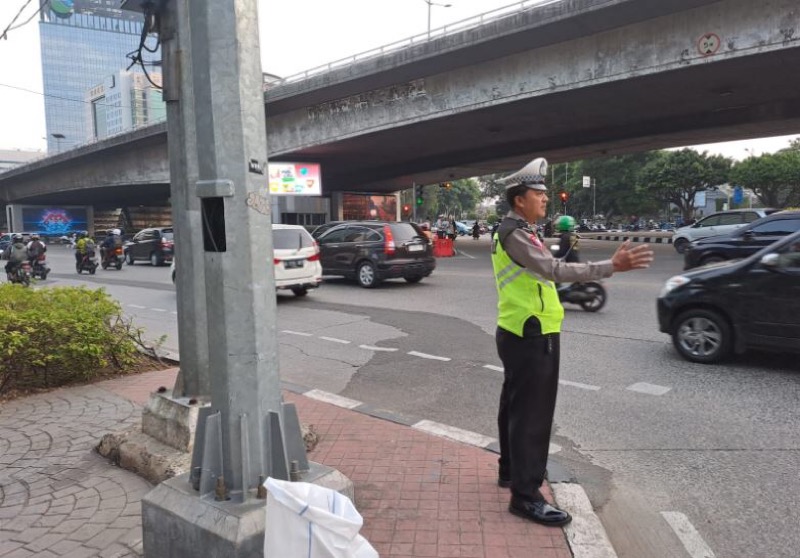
x=531, y=175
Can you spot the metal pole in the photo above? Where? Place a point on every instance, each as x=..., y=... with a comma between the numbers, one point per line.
x=430, y=4
x=594, y=199
x=414, y=201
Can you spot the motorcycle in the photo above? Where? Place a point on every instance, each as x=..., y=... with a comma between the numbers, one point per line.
x=589, y=295
x=22, y=275
x=39, y=268
x=114, y=258
x=87, y=263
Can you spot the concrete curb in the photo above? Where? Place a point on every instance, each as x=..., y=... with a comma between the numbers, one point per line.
x=586, y=535
x=632, y=238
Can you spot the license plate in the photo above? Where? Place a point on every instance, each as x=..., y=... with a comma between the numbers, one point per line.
x=290, y=264
x=416, y=248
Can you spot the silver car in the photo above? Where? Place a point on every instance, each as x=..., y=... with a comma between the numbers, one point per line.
x=723, y=222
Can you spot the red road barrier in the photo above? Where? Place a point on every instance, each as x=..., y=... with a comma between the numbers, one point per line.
x=442, y=247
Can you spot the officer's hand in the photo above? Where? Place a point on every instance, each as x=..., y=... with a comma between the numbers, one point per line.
x=627, y=258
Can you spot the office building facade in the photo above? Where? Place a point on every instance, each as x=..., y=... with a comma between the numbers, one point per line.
x=82, y=43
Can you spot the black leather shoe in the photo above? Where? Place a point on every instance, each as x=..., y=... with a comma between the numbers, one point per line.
x=539, y=512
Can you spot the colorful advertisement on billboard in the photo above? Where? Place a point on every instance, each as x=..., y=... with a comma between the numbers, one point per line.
x=54, y=221
x=295, y=179
x=357, y=207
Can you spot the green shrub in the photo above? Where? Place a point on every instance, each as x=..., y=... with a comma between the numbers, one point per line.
x=50, y=337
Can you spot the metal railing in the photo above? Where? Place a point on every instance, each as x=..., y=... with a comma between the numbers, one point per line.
x=419, y=38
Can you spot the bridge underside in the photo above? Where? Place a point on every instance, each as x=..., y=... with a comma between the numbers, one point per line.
x=744, y=98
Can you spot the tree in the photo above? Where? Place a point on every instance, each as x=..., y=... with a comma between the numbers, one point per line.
x=774, y=178
x=463, y=195
x=677, y=176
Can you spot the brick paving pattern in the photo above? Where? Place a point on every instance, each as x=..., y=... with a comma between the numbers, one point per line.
x=420, y=495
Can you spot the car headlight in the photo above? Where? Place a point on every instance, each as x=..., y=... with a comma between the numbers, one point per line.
x=673, y=283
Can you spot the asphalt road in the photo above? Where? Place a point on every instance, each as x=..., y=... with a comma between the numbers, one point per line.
x=679, y=459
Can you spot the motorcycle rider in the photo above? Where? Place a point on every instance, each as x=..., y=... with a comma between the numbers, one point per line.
x=17, y=253
x=85, y=247
x=36, y=248
x=112, y=240
x=568, y=242
x=476, y=231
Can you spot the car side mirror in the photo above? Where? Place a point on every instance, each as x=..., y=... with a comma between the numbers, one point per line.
x=770, y=260
x=748, y=234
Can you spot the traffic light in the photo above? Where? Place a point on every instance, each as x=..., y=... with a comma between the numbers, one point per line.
x=564, y=197
x=418, y=194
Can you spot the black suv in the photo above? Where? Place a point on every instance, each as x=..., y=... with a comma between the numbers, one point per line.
x=750, y=303
x=371, y=251
x=155, y=245
x=744, y=241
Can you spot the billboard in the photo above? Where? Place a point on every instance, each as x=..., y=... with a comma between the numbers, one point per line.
x=357, y=207
x=295, y=179
x=54, y=221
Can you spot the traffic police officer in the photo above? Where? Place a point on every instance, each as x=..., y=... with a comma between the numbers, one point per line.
x=528, y=325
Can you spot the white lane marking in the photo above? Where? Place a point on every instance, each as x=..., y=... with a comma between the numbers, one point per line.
x=462, y=253
x=586, y=535
x=453, y=433
x=158, y=309
x=493, y=367
x=174, y=312
x=691, y=539
x=137, y=306
x=579, y=385
x=335, y=340
x=332, y=398
x=300, y=333
x=373, y=348
x=431, y=357
x=553, y=448
x=649, y=389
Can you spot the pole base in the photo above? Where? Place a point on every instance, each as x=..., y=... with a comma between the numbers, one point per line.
x=177, y=523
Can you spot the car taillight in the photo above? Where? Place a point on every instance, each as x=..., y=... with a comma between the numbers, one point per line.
x=388, y=241
x=315, y=256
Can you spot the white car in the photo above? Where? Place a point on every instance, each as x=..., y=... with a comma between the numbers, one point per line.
x=723, y=222
x=295, y=257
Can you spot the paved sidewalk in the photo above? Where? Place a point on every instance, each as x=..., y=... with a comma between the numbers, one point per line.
x=421, y=495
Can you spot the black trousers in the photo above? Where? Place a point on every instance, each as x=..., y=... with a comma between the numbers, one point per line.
x=527, y=405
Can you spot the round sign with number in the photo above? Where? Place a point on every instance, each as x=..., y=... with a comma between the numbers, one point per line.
x=708, y=44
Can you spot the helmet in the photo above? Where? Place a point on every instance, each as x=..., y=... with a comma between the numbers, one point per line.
x=82, y=234
x=531, y=175
x=35, y=236
x=16, y=238
x=565, y=223
x=109, y=232
x=116, y=232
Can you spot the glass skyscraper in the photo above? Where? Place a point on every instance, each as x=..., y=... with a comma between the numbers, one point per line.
x=83, y=42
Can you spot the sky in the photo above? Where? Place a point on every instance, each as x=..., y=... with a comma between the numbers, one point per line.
x=296, y=35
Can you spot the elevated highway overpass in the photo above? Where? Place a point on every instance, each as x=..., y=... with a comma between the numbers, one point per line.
x=568, y=79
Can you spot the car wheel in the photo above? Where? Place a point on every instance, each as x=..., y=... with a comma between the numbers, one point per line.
x=680, y=245
x=711, y=259
x=129, y=258
x=154, y=261
x=414, y=279
x=702, y=336
x=299, y=291
x=366, y=276
x=118, y=265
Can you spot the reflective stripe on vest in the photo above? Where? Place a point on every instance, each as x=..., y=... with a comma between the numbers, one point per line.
x=522, y=294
